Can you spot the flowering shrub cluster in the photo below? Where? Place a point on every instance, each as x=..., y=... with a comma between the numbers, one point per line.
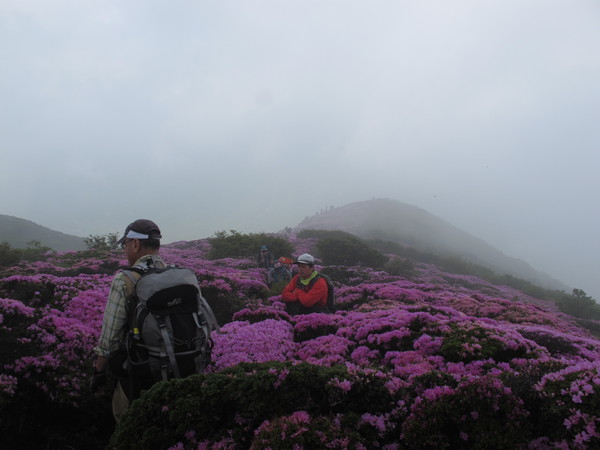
x=574, y=395
x=422, y=360
x=252, y=403
x=300, y=430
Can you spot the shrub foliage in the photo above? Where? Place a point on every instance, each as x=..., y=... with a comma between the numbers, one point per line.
x=341, y=248
x=233, y=244
x=581, y=305
x=205, y=408
x=10, y=256
x=426, y=360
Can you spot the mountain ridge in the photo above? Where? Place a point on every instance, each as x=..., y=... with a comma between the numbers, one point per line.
x=392, y=220
x=19, y=232
x=384, y=219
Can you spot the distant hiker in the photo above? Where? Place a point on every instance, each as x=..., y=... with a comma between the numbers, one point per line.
x=265, y=258
x=286, y=262
x=308, y=291
x=278, y=274
x=143, y=333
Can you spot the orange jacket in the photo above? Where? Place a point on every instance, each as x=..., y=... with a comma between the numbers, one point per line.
x=308, y=297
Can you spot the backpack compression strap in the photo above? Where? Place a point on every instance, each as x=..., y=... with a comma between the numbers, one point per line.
x=162, y=326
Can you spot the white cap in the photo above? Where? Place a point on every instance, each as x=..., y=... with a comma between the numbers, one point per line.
x=305, y=258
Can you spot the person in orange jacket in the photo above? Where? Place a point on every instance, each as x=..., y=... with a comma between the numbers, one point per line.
x=307, y=291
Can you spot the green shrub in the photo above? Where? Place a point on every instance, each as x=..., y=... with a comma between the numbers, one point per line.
x=277, y=287
x=258, y=313
x=581, y=305
x=102, y=242
x=458, y=265
x=522, y=383
x=571, y=402
x=300, y=430
x=350, y=276
x=232, y=404
x=31, y=293
x=226, y=298
x=472, y=343
x=322, y=234
x=480, y=413
x=340, y=248
x=591, y=325
x=556, y=345
x=431, y=379
x=9, y=256
x=233, y=244
x=313, y=329
x=336, y=247
x=399, y=266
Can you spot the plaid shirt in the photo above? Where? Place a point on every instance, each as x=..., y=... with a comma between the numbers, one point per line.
x=114, y=323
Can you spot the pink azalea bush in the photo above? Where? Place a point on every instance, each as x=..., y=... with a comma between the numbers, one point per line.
x=421, y=358
x=573, y=395
x=300, y=430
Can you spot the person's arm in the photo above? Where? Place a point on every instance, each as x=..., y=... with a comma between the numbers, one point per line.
x=289, y=293
x=114, y=319
x=113, y=324
x=317, y=294
x=100, y=364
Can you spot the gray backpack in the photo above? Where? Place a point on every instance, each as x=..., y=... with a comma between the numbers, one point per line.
x=170, y=325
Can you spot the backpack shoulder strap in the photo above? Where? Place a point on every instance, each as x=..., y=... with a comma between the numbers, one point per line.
x=132, y=275
x=212, y=320
x=314, y=280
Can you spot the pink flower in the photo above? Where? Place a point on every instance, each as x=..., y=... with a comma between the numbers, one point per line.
x=344, y=385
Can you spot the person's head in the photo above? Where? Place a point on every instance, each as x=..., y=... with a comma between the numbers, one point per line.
x=141, y=238
x=305, y=263
x=264, y=249
x=285, y=262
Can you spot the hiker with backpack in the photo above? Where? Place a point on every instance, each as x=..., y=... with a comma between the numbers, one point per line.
x=279, y=274
x=308, y=291
x=265, y=258
x=156, y=324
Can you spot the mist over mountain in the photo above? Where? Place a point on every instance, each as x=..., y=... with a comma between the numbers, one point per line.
x=384, y=219
x=19, y=232
x=402, y=223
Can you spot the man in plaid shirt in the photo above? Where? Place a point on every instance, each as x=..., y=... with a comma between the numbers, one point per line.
x=141, y=242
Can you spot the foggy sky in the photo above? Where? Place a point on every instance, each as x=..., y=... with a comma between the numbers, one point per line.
x=251, y=115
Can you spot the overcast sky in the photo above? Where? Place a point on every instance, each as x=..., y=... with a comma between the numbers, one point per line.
x=251, y=115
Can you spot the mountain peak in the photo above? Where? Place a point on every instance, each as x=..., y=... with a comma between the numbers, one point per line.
x=392, y=220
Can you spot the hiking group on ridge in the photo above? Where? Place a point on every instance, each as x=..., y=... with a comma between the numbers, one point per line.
x=156, y=324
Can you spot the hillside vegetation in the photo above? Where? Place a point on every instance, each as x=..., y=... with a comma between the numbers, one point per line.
x=415, y=357
x=408, y=225
x=19, y=233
